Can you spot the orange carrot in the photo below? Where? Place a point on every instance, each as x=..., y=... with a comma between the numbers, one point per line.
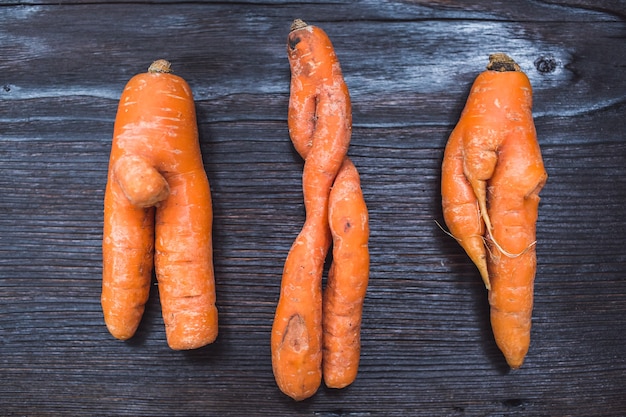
x=492, y=174
x=347, y=279
x=319, y=121
x=157, y=206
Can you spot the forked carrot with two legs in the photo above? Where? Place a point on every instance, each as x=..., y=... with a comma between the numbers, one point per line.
x=157, y=208
x=492, y=174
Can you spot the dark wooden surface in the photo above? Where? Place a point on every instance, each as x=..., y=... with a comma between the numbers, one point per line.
x=427, y=344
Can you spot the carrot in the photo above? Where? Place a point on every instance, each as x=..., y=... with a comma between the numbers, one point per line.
x=344, y=295
x=320, y=123
x=492, y=174
x=347, y=279
x=157, y=210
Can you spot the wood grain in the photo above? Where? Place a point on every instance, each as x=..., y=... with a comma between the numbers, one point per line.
x=427, y=346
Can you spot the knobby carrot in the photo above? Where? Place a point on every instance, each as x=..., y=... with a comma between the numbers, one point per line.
x=320, y=124
x=157, y=209
x=492, y=174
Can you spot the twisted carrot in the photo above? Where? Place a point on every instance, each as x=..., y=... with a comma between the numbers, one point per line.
x=320, y=124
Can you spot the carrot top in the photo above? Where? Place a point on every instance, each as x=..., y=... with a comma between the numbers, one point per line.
x=160, y=65
x=298, y=24
x=502, y=63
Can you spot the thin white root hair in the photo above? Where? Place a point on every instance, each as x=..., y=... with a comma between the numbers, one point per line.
x=451, y=235
x=446, y=232
x=501, y=249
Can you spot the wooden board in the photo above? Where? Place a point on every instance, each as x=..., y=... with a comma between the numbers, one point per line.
x=427, y=345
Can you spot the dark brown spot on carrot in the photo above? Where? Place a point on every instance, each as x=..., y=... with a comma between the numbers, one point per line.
x=293, y=41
